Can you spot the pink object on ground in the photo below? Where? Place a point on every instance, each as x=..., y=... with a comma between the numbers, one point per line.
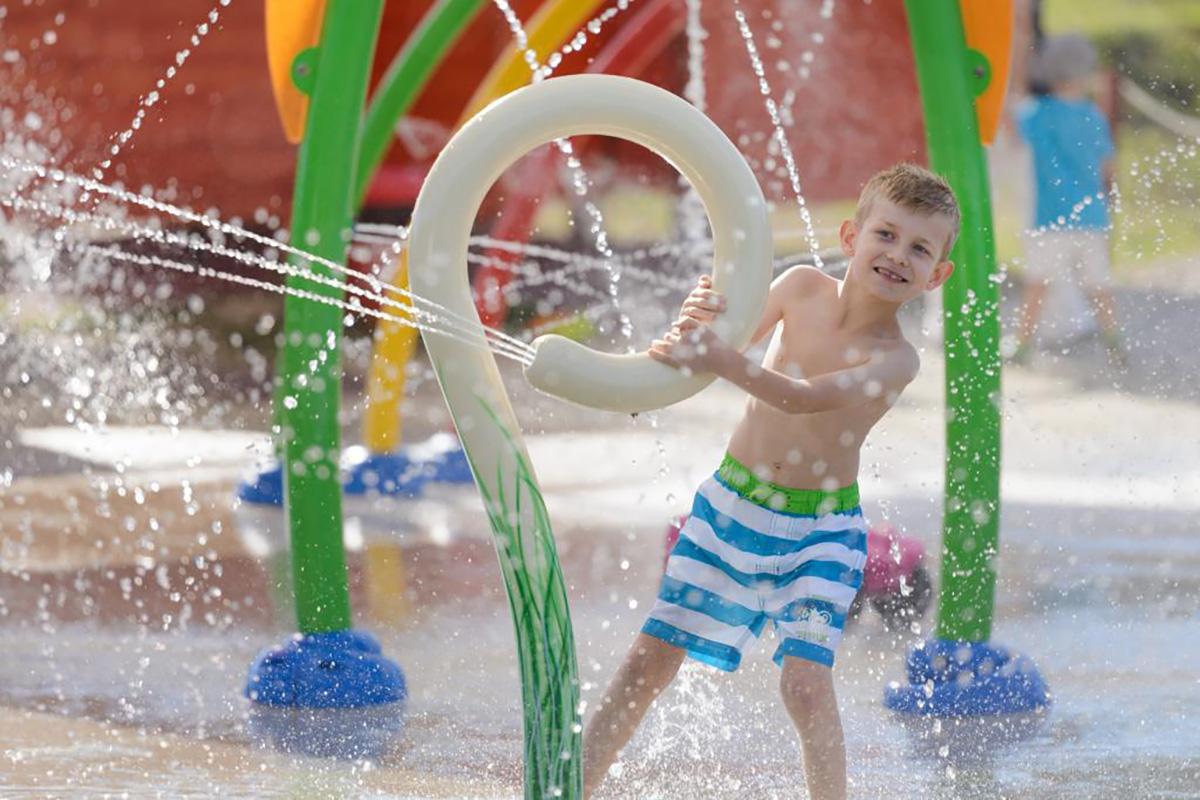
x=890, y=556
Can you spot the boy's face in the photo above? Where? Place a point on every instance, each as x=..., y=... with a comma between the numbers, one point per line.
x=897, y=253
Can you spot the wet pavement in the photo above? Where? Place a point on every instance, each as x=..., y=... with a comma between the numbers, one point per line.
x=130, y=610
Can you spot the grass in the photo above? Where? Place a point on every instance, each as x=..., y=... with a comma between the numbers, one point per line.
x=1157, y=175
x=1110, y=17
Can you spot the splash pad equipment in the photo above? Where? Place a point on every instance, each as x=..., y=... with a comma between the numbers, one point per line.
x=318, y=49
x=962, y=54
x=327, y=665
x=470, y=379
x=640, y=40
x=626, y=383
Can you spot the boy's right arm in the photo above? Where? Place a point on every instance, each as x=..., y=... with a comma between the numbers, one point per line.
x=703, y=304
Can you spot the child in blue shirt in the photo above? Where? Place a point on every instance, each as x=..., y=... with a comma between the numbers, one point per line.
x=1072, y=156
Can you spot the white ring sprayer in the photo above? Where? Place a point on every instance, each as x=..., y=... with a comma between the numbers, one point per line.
x=466, y=369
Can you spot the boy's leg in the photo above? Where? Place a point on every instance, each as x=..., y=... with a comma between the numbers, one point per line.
x=646, y=672
x=1096, y=273
x=808, y=695
x=1031, y=311
x=1046, y=253
x=1102, y=304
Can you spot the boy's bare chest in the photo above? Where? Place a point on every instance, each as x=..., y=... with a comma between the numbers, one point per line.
x=805, y=348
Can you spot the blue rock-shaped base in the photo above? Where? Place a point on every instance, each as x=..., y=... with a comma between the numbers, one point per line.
x=263, y=486
x=339, y=669
x=327, y=694
x=403, y=474
x=955, y=679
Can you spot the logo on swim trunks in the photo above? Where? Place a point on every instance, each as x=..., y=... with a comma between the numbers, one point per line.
x=809, y=614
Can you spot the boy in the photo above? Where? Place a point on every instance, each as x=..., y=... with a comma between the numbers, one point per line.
x=1072, y=157
x=777, y=534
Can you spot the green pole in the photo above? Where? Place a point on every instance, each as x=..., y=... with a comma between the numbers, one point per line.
x=950, y=76
x=407, y=75
x=336, y=73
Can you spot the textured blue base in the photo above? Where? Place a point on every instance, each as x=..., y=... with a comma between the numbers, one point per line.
x=400, y=474
x=955, y=679
x=341, y=669
x=263, y=487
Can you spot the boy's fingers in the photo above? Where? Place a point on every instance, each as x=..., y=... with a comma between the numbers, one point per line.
x=704, y=304
x=699, y=315
x=663, y=358
x=707, y=298
x=699, y=312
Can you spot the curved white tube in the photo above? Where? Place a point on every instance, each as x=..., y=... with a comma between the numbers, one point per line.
x=467, y=371
x=615, y=106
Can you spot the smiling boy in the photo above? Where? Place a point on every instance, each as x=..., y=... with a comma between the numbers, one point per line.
x=777, y=532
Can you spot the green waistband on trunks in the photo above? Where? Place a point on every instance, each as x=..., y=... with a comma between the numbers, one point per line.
x=742, y=480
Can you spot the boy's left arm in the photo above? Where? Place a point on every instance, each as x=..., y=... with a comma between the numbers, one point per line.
x=884, y=375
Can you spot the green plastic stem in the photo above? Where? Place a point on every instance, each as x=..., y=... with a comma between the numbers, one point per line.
x=311, y=381
x=972, y=326
x=407, y=75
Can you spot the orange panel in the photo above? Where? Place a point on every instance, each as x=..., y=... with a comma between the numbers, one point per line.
x=292, y=27
x=989, y=29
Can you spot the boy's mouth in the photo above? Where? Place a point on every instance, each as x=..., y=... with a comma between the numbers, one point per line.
x=891, y=275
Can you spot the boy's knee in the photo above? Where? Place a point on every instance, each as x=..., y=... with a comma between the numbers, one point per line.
x=804, y=683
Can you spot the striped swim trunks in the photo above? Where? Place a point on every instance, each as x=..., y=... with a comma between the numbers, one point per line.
x=752, y=551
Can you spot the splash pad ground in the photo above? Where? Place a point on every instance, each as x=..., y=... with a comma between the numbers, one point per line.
x=119, y=680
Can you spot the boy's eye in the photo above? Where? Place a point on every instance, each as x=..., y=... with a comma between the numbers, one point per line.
x=921, y=249
x=885, y=234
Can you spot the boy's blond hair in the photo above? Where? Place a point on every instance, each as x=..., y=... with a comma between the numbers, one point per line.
x=916, y=189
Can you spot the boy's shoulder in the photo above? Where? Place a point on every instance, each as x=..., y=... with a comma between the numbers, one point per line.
x=801, y=285
x=805, y=278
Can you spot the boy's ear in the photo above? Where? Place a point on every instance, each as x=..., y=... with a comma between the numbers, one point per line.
x=847, y=234
x=941, y=273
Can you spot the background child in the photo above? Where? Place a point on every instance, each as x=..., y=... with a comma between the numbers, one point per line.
x=777, y=533
x=1072, y=156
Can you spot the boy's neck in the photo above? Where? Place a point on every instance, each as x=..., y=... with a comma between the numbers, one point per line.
x=859, y=310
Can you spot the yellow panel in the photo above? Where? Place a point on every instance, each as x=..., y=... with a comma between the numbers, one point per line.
x=547, y=31
x=989, y=29
x=394, y=345
x=387, y=586
x=292, y=27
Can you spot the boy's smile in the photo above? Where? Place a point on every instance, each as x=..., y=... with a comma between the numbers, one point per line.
x=896, y=253
x=890, y=274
